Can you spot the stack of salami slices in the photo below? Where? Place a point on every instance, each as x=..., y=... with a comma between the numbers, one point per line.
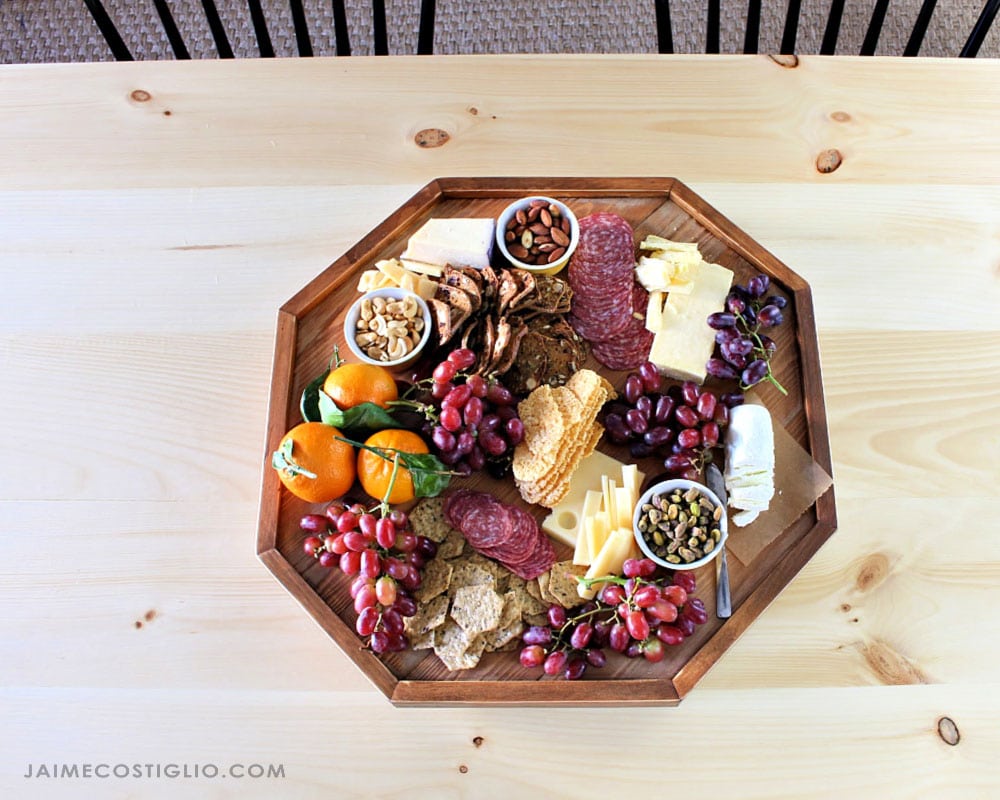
x=609, y=306
x=502, y=532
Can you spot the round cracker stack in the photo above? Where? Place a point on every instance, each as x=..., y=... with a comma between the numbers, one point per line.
x=560, y=430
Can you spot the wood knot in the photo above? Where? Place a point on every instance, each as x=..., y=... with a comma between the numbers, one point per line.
x=150, y=615
x=890, y=667
x=829, y=160
x=874, y=570
x=786, y=60
x=141, y=96
x=431, y=137
x=478, y=741
x=948, y=731
x=840, y=116
x=473, y=110
x=463, y=769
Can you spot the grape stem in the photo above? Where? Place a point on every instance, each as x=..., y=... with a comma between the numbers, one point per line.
x=384, y=508
x=765, y=354
x=384, y=452
x=426, y=409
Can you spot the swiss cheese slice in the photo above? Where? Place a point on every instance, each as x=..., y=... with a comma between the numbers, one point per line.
x=564, y=521
x=685, y=342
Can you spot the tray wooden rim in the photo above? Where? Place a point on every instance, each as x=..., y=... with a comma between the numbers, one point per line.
x=596, y=691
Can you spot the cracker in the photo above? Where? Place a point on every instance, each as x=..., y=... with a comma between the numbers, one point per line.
x=428, y=617
x=422, y=641
x=427, y=519
x=536, y=619
x=435, y=580
x=562, y=583
x=543, y=587
x=452, y=546
x=509, y=626
x=465, y=573
x=477, y=608
x=543, y=421
x=455, y=647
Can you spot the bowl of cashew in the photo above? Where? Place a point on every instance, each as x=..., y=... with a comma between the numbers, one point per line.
x=388, y=327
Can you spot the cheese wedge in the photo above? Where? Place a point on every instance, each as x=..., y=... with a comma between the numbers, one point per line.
x=685, y=342
x=461, y=242
x=617, y=548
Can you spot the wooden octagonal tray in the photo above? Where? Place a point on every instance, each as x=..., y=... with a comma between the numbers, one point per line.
x=310, y=324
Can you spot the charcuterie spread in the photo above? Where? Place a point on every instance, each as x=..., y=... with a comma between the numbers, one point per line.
x=522, y=348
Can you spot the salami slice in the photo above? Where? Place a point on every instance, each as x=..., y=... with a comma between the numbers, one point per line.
x=502, y=532
x=600, y=275
x=630, y=346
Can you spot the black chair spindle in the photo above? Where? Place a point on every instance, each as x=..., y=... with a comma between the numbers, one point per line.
x=260, y=29
x=302, y=40
x=752, y=39
x=828, y=47
x=980, y=29
x=108, y=30
x=919, y=28
x=218, y=32
x=380, y=33
x=791, y=27
x=712, y=35
x=664, y=33
x=170, y=28
x=343, y=39
x=874, y=28
x=425, y=35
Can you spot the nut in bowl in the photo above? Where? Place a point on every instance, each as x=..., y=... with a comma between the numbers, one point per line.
x=389, y=327
x=680, y=524
x=537, y=234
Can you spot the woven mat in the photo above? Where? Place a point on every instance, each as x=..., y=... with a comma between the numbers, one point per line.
x=63, y=30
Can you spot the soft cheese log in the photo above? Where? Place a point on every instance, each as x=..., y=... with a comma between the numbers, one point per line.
x=460, y=242
x=749, y=472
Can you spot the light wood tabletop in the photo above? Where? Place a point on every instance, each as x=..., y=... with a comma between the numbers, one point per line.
x=156, y=215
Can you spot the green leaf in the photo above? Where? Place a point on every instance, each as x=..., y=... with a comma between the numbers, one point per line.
x=365, y=416
x=309, y=404
x=430, y=476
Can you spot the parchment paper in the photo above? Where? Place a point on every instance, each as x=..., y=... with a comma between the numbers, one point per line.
x=798, y=482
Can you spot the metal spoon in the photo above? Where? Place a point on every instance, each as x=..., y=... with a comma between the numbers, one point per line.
x=723, y=597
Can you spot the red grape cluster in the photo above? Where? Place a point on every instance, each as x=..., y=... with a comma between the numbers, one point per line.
x=472, y=422
x=683, y=423
x=384, y=556
x=636, y=615
x=746, y=352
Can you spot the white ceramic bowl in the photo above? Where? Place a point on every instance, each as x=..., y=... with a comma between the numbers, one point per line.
x=544, y=269
x=665, y=487
x=354, y=313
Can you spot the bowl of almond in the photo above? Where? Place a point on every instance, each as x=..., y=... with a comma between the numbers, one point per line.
x=389, y=327
x=537, y=234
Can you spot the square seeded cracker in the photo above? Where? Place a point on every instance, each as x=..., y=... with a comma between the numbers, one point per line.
x=477, y=608
x=436, y=579
x=562, y=583
x=428, y=617
x=427, y=519
x=452, y=546
x=456, y=649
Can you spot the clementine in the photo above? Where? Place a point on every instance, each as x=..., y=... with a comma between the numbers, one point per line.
x=352, y=384
x=313, y=464
x=375, y=472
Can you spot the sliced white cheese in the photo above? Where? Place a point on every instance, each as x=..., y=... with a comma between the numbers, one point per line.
x=434, y=270
x=610, y=505
x=632, y=479
x=624, y=506
x=582, y=555
x=654, y=311
x=685, y=342
x=464, y=241
x=617, y=548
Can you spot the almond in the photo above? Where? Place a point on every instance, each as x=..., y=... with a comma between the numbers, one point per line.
x=545, y=217
x=559, y=237
x=555, y=255
x=520, y=253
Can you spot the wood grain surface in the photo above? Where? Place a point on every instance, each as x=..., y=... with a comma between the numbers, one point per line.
x=143, y=257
